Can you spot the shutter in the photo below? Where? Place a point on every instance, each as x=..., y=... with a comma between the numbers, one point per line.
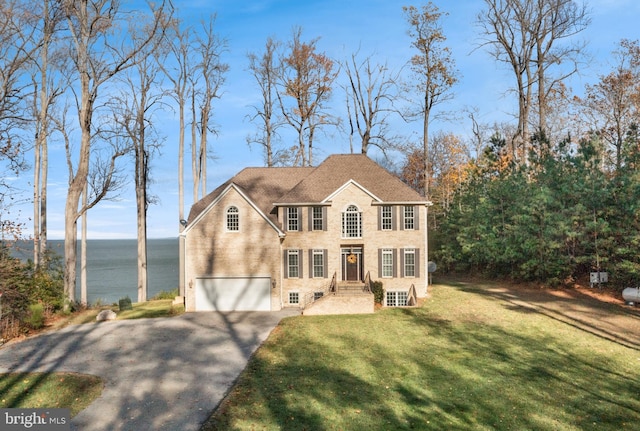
x=402, y=262
x=380, y=217
x=379, y=263
x=300, y=266
x=310, y=218
x=285, y=218
x=417, y=262
x=401, y=209
x=310, y=263
x=395, y=263
x=416, y=217
x=325, y=263
x=285, y=263
x=394, y=222
x=324, y=218
x=300, y=221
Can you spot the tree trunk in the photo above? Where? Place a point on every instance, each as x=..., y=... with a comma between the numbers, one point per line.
x=83, y=252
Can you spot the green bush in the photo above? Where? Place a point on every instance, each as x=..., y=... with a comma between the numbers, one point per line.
x=378, y=291
x=35, y=316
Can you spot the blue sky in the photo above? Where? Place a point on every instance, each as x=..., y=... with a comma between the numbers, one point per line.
x=376, y=27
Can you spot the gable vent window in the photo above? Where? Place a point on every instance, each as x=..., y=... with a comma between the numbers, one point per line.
x=352, y=222
x=233, y=219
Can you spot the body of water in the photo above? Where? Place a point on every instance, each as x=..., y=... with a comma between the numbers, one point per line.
x=112, y=267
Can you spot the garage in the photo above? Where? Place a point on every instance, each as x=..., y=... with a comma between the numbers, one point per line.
x=233, y=294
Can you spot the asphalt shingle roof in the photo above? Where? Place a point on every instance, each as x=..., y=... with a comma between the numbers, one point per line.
x=267, y=186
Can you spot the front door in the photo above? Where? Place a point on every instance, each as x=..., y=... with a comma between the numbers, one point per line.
x=351, y=263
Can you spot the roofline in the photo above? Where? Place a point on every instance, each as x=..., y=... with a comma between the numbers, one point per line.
x=245, y=197
x=302, y=204
x=423, y=203
x=347, y=184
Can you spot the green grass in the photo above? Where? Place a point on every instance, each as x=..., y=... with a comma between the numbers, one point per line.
x=49, y=390
x=466, y=360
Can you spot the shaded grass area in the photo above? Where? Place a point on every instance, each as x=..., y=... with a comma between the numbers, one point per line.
x=49, y=390
x=466, y=360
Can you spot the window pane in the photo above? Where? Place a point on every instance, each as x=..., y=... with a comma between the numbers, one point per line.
x=409, y=263
x=317, y=218
x=352, y=223
x=391, y=299
x=294, y=298
x=293, y=262
x=292, y=219
x=387, y=263
x=233, y=219
x=318, y=264
x=386, y=218
x=408, y=218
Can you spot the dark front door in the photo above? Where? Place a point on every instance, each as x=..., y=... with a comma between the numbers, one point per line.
x=352, y=264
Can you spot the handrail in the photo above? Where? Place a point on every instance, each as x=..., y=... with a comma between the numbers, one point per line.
x=367, y=282
x=311, y=296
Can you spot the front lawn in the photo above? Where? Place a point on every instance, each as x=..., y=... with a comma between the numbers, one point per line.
x=471, y=358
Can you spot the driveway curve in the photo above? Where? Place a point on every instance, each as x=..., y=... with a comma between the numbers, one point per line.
x=159, y=374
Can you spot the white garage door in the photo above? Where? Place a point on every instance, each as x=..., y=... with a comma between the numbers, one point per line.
x=233, y=294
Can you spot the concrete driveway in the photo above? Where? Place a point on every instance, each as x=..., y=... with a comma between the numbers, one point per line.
x=160, y=374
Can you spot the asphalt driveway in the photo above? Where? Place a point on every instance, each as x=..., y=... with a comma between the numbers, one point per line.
x=160, y=374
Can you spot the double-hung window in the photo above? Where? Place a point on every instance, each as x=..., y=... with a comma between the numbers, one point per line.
x=409, y=262
x=387, y=263
x=352, y=222
x=409, y=218
x=293, y=263
x=294, y=298
x=233, y=219
x=387, y=218
x=293, y=222
x=317, y=219
x=318, y=263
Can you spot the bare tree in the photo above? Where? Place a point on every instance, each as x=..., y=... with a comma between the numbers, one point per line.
x=371, y=91
x=97, y=59
x=611, y=105
x=264, y=71
x=433, y=68
x=178, y=72
x=133, y=113
x=46, y=90
x=306, y=77
x=527, y=36
x=208, y=78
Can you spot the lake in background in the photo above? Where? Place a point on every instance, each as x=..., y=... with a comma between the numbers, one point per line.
x=112, y=271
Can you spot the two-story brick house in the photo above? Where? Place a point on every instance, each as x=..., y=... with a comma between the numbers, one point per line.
x=270, y=238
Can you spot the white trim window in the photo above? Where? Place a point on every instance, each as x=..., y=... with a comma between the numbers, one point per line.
x=387, y=217
x=397, y=298
x=318, y=263
x=317, y=221
x=233, y=219
x=294, y=298
x=352, y=222
x=409, y=262
x=293, y=222
x=387, y=263
x=409, y=218
x=293, y=263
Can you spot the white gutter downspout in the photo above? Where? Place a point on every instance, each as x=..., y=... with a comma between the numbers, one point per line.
x=281, y=272
x=426, y=246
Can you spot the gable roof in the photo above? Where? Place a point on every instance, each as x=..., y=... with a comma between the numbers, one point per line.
x=267, y=187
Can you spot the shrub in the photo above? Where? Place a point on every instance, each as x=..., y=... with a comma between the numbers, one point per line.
x=378, y=291
x=35, y=316
x=171, y=294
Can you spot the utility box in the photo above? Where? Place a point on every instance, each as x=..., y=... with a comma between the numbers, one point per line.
x=598, y=278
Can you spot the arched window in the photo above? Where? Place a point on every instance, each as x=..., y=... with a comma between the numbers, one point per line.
x=233, y=219
x=352, y=222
